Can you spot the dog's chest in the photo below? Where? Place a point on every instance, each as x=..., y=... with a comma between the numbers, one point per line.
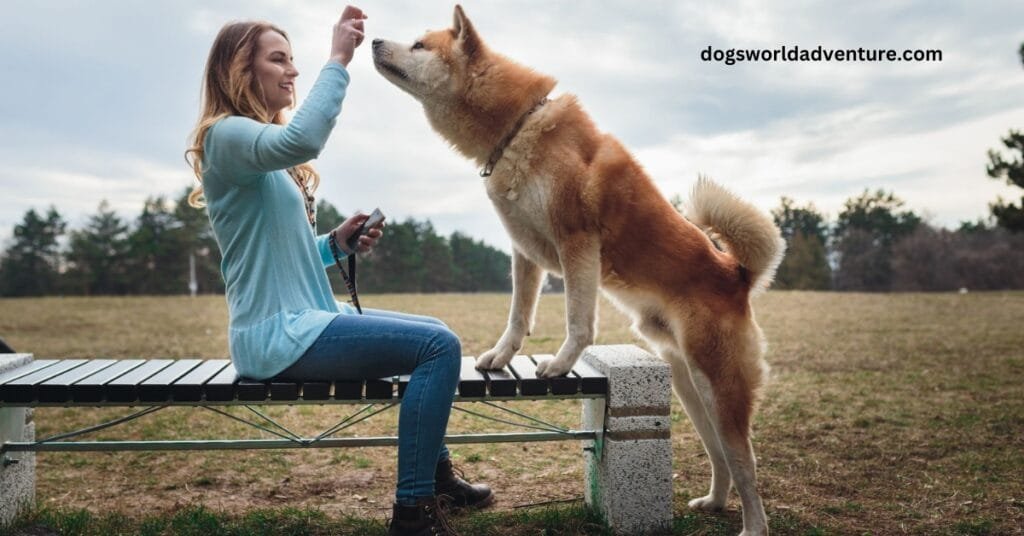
x=523, y=205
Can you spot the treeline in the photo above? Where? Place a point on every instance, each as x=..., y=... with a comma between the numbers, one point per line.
x=874, y=244
x=169, y=240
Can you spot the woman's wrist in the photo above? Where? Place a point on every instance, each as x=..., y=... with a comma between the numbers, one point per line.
x=342, y=59
x=340, y=244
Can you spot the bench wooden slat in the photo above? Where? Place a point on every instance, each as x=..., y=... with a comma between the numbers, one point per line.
x=189, y=388
x=125, y=388
x=348, y=390
x=23, y=389
x=58, y=388
x=591, y=381
x=500, y=382
x=25, y=370
x=284, y=390
x=157, y=388
x=221, y=388
x=472, y=382
x=251, y=390
x=316, y=390
x=91, y=388
x=381, y=389
x=562, y=385
x=526, y=371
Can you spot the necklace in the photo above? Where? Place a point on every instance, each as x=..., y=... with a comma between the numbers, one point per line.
x=307, y=198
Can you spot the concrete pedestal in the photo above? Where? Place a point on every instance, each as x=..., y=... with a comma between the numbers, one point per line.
x=17, y=470
x=629, y=470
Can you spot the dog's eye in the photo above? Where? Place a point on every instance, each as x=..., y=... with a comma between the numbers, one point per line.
x=417, y=45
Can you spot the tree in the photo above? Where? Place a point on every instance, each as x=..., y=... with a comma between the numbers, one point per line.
x=804, y=220
x=478, y=267
x=396, y=264
x=98, y=254
x=863, y=236
x=805, y=265
x=1007, y=214
x=923, y=261
x=438, y=267
x=159, y=263
x=30, y=266
x=988, y=259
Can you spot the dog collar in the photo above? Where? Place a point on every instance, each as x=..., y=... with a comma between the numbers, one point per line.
x=500, y=149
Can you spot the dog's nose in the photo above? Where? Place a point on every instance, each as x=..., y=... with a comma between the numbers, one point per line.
x=377, y=42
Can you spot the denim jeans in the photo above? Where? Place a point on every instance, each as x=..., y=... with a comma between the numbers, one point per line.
x=379, y=344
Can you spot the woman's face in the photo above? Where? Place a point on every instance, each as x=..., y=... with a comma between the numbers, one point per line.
x=274, y=71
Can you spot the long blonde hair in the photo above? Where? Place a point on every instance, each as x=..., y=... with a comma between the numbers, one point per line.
x=231, y=88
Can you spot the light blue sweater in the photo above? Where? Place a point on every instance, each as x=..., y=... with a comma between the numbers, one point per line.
x=279, y=299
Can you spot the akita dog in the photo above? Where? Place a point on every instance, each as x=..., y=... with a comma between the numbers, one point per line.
x=577, y=204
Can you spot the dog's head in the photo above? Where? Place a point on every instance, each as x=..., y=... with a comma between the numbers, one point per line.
x=471, y=95
x=435, y=66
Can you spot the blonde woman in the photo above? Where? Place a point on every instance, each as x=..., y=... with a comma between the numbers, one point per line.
x=257, y=184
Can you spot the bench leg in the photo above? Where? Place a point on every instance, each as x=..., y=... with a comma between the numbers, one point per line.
x=17, y=470
x=629, y=469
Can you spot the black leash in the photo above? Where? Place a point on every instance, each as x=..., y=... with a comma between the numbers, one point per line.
x=350, y=276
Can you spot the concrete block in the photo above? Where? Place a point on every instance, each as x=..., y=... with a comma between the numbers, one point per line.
x=639, y=378
x=17, y=470
x=629, y=467
x=632, y=485
x=18, y=481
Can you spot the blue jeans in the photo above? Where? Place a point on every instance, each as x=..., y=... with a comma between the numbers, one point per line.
x=380, y=344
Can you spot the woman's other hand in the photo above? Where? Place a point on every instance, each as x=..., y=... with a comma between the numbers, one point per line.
x=348, y=34
x=350, y=226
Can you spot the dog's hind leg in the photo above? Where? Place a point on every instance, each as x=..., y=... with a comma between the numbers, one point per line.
x=653, y=327
x=726, y=371
x=526, y=280
x=693, y=403
x=580, y=257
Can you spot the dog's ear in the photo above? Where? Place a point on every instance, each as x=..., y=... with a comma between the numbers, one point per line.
x=465, y=34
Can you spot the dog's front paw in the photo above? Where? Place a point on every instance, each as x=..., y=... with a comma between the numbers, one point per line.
x=552, y=368
x=495, y=358
x=707, y=503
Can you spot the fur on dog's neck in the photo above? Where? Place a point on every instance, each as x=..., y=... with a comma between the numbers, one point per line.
x=498, y=93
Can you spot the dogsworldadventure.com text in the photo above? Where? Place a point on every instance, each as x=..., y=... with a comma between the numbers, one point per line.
x=731, y=56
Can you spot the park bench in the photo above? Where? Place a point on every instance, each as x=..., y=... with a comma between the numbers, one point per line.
x=624, y=425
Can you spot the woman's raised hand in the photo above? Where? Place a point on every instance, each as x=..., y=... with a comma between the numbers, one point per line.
x=348, y=34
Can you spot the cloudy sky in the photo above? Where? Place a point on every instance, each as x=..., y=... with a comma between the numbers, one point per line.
x=99, y=97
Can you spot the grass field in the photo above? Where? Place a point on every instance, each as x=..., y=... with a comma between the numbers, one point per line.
x=885, y=414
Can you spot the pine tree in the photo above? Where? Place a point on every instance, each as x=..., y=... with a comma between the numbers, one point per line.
x=805, y=265
x=1007, y=214
x=98, y=254
x=30, y=265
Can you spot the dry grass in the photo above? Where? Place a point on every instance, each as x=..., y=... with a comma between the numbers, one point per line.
x=886, y=414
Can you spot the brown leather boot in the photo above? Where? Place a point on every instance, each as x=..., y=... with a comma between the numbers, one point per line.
x=425, y=518
x=462, y=493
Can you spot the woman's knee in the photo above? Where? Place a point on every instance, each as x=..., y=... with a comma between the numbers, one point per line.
x=447, y=347
x=435, y=321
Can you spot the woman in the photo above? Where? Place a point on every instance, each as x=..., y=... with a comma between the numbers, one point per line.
x=257, y=184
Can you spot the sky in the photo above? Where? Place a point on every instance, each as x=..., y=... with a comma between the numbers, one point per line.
x=99, y=98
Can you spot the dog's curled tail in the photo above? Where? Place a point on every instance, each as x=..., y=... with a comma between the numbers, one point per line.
x=747, y=234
